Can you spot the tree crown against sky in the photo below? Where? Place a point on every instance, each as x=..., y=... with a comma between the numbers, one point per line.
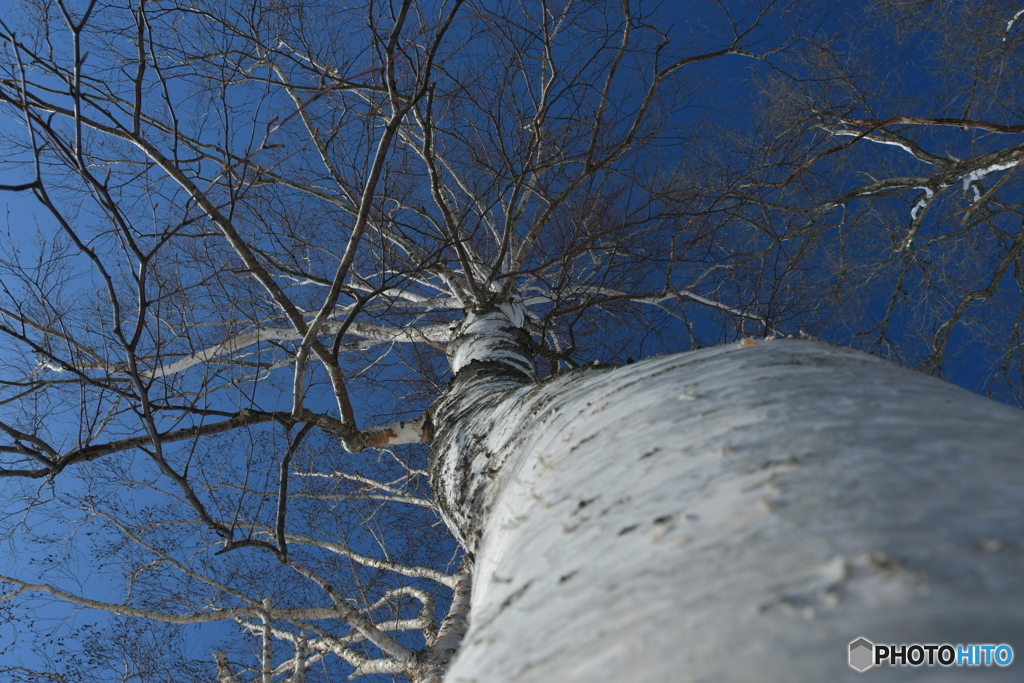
x=256, y=224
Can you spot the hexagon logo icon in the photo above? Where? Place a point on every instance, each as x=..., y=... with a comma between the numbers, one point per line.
x=862, y=654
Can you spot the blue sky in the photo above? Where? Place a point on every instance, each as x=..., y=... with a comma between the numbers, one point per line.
x=729, y=108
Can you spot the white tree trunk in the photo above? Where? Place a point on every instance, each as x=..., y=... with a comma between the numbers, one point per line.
x=738, y=513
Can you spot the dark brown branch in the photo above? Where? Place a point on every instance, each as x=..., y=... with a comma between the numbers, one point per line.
x=938, y=121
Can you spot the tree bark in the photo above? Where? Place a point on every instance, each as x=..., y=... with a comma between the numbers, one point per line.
x=737, y=513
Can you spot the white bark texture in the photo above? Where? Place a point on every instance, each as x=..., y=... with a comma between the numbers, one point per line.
x=738, y=513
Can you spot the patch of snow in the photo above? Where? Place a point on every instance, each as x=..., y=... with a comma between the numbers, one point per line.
x=971, y=178
x=1009, y=24
x=876, y=139
x=922, y=202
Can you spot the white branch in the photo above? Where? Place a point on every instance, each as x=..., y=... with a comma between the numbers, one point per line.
x=368, y=332
x=404, y=570
x=216, y=614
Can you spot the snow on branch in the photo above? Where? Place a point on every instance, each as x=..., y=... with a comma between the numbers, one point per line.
x=966, y=173
x=1010, y=23
x=970, y=180
x=883, y=137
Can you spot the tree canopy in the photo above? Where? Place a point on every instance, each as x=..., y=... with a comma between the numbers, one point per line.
x=240, y=235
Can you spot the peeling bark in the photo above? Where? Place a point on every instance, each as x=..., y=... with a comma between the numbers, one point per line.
x=490, y=355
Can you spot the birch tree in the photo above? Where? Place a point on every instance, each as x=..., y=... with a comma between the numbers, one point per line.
x=283, y=248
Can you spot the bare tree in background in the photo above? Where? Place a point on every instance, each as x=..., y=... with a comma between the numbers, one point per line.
x=895, y=142
x=270, y=232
